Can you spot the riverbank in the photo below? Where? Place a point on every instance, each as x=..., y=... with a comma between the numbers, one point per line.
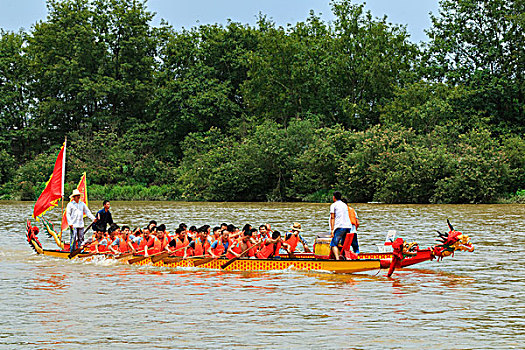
x=173, y=193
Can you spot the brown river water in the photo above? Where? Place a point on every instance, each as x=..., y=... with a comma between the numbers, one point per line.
x=469, y=301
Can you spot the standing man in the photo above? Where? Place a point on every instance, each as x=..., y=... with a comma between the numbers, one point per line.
x=75, y=211
x=339, y=222
x=104, y=217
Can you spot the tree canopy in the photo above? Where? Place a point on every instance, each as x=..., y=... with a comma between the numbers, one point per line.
x=265, y=112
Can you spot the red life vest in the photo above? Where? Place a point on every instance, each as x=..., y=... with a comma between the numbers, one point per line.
x=200, y=248
x=154, y=245
x=219, y=250
x=165, y=242
x=143, y=243
x=123, y=246
x=292, y=241
x=269, y=250
x=237, y=248
x=180, y=244
x=101, y=248
x=353, y=217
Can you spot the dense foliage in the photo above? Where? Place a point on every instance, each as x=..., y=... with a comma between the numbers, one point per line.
x=264, y=113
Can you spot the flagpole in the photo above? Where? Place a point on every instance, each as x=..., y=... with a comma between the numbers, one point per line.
x=63, y=180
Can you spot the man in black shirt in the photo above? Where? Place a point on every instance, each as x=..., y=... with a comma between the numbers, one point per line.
x=104, y=217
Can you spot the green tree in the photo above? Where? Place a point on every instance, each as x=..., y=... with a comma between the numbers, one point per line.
x=340, y=74
x=92, y=65
x=64, y=53
x=199, y=80
x=481, y=44
x=422, y=106
x=15, y=125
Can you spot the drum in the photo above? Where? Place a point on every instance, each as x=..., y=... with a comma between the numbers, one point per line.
x=322, y=247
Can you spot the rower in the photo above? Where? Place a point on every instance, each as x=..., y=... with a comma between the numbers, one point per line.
x=123, y=243
x=271, y=246
x=192, y=232
x=152, y=226
x=99, y=243
x=163, y=237
x=240, y=245
x=154, y=245
x=180, y=241
x=136, y=238
x=234, y=231
x=113, y=233
x=144, y=239
x=293, y=238
x=221, y=245
x=200, y=245
x=264, y=231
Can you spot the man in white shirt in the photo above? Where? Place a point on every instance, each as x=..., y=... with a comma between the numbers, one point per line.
x=339, y=222
x=75, y=211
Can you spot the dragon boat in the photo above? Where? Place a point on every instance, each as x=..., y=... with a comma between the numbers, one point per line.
x=402, y=254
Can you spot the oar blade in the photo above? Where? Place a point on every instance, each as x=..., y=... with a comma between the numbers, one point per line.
x=159, y=257
x=228, y=263
x=203, y=261
x=172, y=260
x=137, y=259
x=75, y=253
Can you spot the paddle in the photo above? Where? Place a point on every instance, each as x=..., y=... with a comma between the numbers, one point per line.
x=128, y=254
x=78, y=250
x=99, y=253
x=165, y=255
x=229, y=262
x=140, y=258
x=204, y=261
x=171, y=260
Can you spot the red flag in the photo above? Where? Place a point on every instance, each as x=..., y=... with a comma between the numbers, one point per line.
x=82, y=188
x=54, y=187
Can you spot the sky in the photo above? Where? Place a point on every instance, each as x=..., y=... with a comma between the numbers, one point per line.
x=17, y=14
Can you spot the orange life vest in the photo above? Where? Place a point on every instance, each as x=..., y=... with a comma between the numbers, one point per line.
x=237, y=248
x=292, y=241
x=200, y=248
x=123, y=245
x=180, y=244
x=269, y=251
x=157, y=246
x=353, y=217
x=143, y=243
x=101, y=248
x=165, y=242
x=219, y=250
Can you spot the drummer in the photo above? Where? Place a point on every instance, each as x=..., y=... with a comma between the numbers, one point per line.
x=293, y=238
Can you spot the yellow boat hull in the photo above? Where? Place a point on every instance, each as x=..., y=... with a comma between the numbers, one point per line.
x=348, y=266
x=341, y=266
